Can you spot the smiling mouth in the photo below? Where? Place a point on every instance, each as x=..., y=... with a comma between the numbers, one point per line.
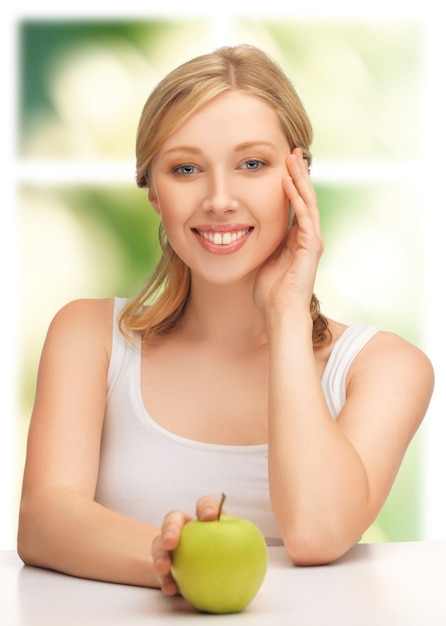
x=222, y=238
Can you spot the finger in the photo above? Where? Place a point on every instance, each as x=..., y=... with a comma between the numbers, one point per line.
x=169, y=587
x=162, y=564
x=171, y=529
x=207, y=508
x=161, y=557
x=301, y=161
x=300, y=175
x=301, y=194
x=304, y=215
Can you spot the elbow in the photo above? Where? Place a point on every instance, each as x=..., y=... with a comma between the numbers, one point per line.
x=24, y=541
x=310, y=550
x=27, y=541
x=23, y=550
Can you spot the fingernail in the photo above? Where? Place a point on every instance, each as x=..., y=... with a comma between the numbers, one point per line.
x=208, y=512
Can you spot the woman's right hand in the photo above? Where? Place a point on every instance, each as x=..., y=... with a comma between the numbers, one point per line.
x=169, y=538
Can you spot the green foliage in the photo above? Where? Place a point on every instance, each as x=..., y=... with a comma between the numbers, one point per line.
x=361, y=85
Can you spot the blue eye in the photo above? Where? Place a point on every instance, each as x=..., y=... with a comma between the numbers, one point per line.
x=185, y=170
x=252, y=164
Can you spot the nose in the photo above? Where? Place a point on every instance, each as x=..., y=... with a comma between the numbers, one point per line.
x=220, y=197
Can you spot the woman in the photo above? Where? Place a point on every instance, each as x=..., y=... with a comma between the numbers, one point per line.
x=222, y=375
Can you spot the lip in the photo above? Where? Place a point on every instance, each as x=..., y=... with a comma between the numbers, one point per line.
x=235, y=234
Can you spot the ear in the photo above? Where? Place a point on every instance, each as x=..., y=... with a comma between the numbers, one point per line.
x=153, y=199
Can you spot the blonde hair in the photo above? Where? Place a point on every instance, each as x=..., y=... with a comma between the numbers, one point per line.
x=182, y=92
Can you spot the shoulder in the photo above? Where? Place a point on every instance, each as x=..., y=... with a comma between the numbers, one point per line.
x=86, y=308
x=88, y=314
x=84, y=322
x=384, y=350
x=388, y=347
x=392, y=362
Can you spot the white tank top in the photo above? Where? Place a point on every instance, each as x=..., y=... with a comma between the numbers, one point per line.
x=146, y=471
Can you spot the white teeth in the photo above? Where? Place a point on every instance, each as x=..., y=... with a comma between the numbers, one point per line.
x=221, y=239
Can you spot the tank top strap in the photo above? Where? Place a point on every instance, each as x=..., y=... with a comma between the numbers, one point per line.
x=123, y=350
x=344, y=351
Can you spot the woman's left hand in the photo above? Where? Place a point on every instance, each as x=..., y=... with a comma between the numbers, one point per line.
x=287, y=278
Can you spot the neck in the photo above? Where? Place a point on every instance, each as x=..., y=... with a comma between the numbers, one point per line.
x=225, y=314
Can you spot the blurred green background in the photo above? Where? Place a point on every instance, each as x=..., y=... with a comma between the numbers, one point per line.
x=87, y=231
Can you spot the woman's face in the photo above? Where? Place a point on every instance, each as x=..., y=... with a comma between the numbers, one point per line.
x=217, y=184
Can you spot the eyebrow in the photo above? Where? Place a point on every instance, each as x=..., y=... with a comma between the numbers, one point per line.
x=254, y=144
x=181, y=149
x=246, y=145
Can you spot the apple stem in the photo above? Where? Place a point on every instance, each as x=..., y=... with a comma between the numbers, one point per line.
x=220, y=508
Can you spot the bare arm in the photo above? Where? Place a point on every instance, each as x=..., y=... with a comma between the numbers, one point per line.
x=329, y=479
x=60, y=526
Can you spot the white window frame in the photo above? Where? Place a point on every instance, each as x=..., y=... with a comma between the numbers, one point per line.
x=431, y=173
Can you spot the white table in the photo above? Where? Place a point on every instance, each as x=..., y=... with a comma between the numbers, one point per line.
x=393, y=584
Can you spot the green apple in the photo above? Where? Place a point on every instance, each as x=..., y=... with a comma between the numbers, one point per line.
x=219, y=565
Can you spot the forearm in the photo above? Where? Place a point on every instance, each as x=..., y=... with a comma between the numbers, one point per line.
x=318, y=484
x=70, y=533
